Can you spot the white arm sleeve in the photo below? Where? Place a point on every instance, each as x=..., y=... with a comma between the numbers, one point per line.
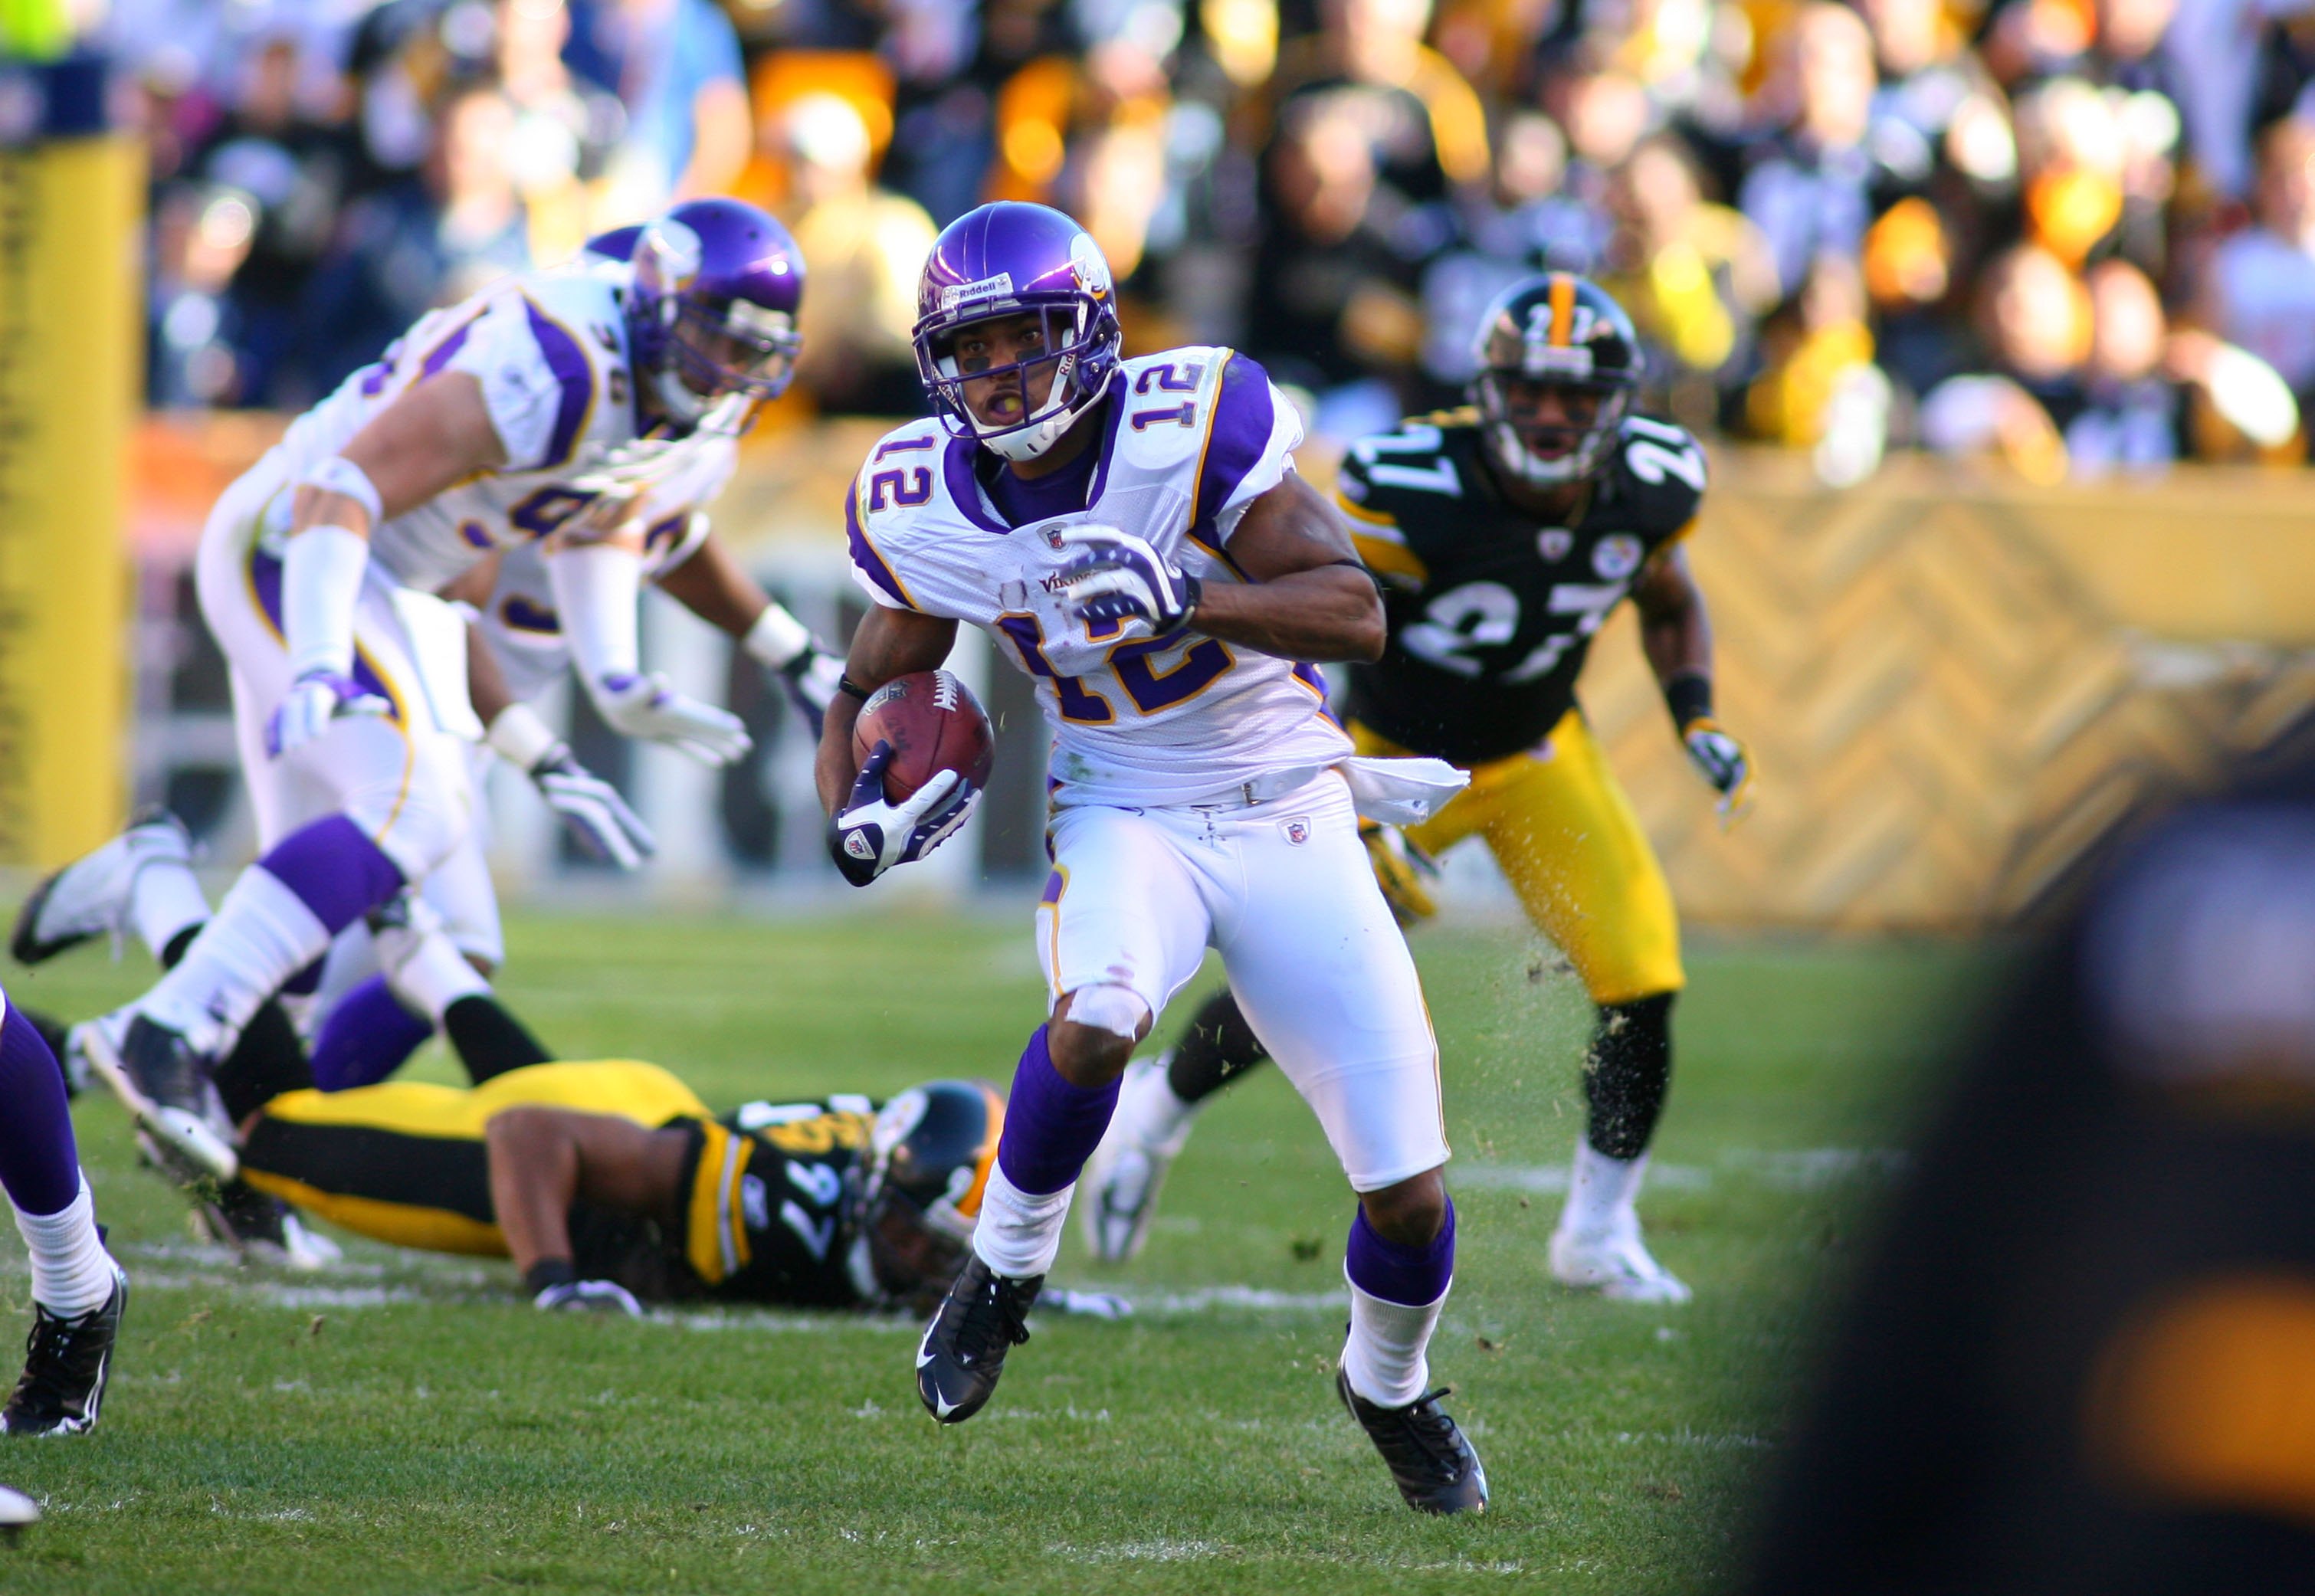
x=596, y=587
x=320, y=581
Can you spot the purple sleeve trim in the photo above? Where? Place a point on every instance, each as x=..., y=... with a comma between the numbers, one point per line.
x=1244, y=419
x=568, y=362
x=445, y=352
x=864, y=557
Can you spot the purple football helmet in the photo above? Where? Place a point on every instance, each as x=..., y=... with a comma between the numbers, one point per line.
x=1005, y=260
x=712, y=316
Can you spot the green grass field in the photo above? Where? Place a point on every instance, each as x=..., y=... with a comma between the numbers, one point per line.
x=402, y=1423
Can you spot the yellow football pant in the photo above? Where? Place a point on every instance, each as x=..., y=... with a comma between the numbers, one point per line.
x=1569, y=843
x=407, y=1163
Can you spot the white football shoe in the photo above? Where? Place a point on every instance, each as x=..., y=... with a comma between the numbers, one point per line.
x=1117, y=1192
x=1615, y=1263
x=90, y=897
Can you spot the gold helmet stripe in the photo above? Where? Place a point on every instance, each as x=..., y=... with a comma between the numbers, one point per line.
x=1563, y=309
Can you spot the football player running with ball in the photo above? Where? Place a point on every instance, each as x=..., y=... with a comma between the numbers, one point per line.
x=1504, y=534
x=1134, y=537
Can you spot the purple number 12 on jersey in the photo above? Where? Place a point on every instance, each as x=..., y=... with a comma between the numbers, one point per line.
x=1201, y=664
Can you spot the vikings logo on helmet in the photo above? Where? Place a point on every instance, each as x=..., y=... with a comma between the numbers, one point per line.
x=1008, y=260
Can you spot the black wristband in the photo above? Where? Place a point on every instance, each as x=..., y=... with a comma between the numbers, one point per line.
x=845, y=684
x=550, y=1271
x=1193, y=592
x=1688, y=696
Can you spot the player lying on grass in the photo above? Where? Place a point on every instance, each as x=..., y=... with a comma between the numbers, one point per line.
x=611, y=1184
x=1133, y=536
x=1504, y=534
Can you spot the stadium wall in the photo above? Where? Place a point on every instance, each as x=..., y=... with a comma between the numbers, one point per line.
x=1954, y=682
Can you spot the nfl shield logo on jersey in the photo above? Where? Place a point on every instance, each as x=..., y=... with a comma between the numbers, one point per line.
x=1553, y=544
x=1618, y=556
x=1298, y=829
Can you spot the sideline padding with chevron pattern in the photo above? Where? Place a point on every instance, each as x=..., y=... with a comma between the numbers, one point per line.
x=1955, y=685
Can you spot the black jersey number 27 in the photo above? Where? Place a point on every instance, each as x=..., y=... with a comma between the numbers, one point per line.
x=1462, y=621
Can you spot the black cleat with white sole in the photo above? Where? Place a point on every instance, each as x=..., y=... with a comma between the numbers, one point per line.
x=1435, y=1468
x=983, y=1316
x=67, y=1363
x=164, y=1082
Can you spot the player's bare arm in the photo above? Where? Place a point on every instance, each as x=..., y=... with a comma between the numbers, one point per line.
x=1675, y=629
x=1309, y=598
x=712, y=585
x=889, y=644
x=486, y=685
x=1676, y=633
x=435, y=435
x=544, y=1159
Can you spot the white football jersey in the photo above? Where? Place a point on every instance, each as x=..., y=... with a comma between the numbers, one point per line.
x=1193, y=437
x=550, y=351
x=520, y=622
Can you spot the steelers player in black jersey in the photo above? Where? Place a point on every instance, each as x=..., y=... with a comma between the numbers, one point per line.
x=611, y=1184
x=1503, y=535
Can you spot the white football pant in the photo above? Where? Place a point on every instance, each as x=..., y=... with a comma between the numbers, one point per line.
x=1283, y=891
x=402, y=779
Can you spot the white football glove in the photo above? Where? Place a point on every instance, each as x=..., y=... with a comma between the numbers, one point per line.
x=647, y=707
x=313, y=701
x=1723, y=762
x=597, y=817
x=590, y=1297
x=1117, y=577
x=810, y=679
x=869, y=835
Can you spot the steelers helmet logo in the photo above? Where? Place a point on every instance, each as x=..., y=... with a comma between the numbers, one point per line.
x=1617, y=556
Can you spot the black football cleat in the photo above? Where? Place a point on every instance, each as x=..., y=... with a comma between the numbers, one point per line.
x=263, y=1229
x=1435, y=1468
x=163, y=1080
x=964, y=1350
x=65, y=1364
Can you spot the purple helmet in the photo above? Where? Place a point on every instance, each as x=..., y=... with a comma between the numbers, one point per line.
x=712, y=316
x=1004, y=260
x=617, y=245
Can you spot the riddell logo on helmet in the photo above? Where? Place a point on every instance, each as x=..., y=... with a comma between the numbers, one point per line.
x=988, y=288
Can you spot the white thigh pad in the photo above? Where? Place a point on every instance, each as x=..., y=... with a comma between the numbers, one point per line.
x=1109, y=1008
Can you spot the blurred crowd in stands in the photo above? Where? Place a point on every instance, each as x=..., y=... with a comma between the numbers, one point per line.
x=2076, y=234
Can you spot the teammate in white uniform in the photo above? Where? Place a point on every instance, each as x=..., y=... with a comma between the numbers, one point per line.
x=1133, y=536
x=552, y=406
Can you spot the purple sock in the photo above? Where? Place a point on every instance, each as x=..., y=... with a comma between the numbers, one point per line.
x=366, y=1038
x=335, y=871
x=1414, y=1277
x=40, y=1163
x=1050, y=1126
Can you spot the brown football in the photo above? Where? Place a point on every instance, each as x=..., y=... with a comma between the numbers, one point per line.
x=933, y=724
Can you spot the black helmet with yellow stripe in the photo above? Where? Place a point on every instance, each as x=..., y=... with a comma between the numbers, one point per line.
x=1559, y=362
x=919, y=1191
